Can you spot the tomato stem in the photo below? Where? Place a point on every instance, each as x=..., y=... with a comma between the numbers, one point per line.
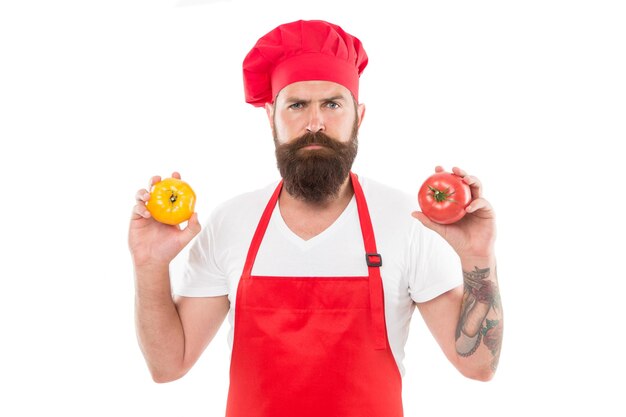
x=441, y=195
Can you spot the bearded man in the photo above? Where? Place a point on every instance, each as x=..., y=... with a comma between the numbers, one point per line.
x=320, y=272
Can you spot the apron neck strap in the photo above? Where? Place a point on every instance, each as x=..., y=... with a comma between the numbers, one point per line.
x=260, y=232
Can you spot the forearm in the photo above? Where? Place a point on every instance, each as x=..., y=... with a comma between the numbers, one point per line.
x=159, y=329
x=479, y=330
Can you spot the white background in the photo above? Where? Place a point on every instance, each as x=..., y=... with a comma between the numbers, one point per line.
x=95, y=97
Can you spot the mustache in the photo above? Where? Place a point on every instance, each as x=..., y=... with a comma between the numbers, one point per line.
x=315, y=138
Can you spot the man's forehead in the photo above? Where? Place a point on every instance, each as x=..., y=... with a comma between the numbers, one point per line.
x=314, y=90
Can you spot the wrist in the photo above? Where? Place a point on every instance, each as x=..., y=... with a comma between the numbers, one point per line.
x=150, y=264
x=150, y=273
x=479, y=261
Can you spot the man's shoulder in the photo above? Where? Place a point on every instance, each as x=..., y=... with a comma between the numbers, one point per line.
x=390, y=207
x=261, y=194
x=250, y=203
x=386, y=195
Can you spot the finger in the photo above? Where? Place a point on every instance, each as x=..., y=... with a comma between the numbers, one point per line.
x=154, y=180
x=427, y=222
x=142, y=195
x=140, y=211
x=478, y=204
x=475, y=185
x=439, y=168
x=458, y=171
x=176, y=175
x=193, y=226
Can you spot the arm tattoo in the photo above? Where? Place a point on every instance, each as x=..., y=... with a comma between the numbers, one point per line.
x=480, y=296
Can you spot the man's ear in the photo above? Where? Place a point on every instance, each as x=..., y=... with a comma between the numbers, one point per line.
x=269, y=109
x=361, y=113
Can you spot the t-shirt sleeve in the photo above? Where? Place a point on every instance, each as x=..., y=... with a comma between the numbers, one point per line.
x=201, y=275
x=434, y=266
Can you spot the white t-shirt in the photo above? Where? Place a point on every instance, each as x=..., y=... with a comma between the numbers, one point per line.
x=417, y=264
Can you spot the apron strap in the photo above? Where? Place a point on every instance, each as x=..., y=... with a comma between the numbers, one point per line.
x=260, y=232
x=374, y=262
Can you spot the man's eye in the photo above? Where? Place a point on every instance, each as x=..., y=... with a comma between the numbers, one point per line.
x=296, y=106
x=332, y=105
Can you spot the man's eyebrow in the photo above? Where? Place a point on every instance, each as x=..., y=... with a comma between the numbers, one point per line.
x=336, y=98
x=294, y=99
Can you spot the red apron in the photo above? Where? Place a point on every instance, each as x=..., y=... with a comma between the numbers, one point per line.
x=313, y=346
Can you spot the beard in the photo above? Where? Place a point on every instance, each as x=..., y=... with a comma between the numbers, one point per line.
x=316, y=175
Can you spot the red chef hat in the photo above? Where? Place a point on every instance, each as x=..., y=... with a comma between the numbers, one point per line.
x=301, y=51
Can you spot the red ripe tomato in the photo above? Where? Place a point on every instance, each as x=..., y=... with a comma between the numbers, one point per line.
x=443, y=197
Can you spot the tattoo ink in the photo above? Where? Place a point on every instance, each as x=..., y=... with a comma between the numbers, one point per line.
x=480, y=297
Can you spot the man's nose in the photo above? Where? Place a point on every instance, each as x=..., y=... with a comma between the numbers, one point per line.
x=316, y=121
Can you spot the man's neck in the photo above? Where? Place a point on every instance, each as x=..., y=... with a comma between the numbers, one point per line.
x=307, y=219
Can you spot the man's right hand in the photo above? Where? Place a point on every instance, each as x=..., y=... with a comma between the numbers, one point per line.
x=152, y=243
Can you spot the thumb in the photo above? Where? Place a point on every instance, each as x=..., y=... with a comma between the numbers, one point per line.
x=427, y=222
x=193, y=226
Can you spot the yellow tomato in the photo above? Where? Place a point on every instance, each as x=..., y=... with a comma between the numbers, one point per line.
x=172, y=201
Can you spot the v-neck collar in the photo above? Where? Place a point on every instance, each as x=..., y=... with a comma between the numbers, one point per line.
x=278, y=220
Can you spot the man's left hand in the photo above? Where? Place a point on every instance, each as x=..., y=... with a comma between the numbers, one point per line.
x=474, y=235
